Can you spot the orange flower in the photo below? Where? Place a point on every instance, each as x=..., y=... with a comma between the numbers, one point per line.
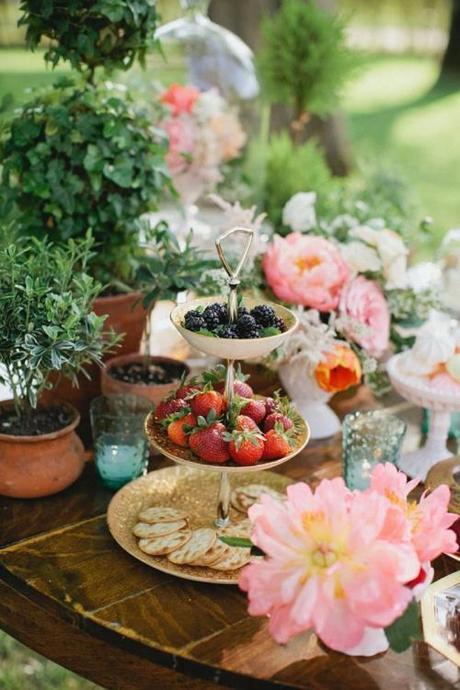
x=339, y=370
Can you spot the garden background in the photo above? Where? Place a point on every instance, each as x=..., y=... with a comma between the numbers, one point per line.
x=400, y=112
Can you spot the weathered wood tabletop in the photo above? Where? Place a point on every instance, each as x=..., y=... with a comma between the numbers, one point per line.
x=69, y=592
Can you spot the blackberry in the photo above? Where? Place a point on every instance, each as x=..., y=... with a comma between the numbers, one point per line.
x=194, y=321
x=227, y=331
x=279, y=323
x=214, y=314
x=264, y=315
x=246, y=327
x=242, y=311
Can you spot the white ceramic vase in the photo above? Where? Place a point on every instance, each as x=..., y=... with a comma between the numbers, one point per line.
x=309, y=399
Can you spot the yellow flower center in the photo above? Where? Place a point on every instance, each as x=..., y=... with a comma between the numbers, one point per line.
x=306, y=263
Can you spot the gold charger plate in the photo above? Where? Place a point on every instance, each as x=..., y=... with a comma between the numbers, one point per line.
x=159, y=439
x=447, y=472
x=192, y=490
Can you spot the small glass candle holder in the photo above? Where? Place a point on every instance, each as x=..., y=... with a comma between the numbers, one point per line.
x=368, y=439
x=121, y=450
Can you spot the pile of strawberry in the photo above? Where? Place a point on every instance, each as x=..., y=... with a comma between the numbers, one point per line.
x=251, y=430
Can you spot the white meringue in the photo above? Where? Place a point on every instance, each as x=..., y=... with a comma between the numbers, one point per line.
x=431, y=349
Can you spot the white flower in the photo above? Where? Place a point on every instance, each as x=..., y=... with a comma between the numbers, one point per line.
x=360, y=257
x=299, y=212
x=391, y=250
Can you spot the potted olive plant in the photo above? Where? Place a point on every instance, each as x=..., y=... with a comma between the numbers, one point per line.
x=46, y=327
x=166, y=270
x=82, y=156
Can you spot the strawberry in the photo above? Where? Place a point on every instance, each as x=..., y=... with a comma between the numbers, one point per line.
x=277, y=443
x=243, y=423
x=185, y=391
x=245, y=447
x=202, y=403
x=270, y=405
x=177, y=429
x=207, y=441
x=169, y=406
x=239, y=388
x=254, y=409
x=274, y=417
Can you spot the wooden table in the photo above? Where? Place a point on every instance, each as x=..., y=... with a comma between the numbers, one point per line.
x=69, y=592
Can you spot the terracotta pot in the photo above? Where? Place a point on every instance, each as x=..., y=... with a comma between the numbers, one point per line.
x=125, y=315
x=112, y=386
x=35, y=466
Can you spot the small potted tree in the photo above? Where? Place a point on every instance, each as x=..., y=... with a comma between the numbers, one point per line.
x=166, y=270
x=46, y=327
x=82, y=155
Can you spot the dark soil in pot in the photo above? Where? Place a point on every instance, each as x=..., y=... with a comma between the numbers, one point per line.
x=37, y=422
x=148, y=373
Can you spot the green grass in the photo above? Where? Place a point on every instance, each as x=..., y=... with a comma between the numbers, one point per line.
x=21, y=70
x=399, y=115
x=22, y=669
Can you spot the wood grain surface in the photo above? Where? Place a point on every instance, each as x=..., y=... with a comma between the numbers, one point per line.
x=69, y=592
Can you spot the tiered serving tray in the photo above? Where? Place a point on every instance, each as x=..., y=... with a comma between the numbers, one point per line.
x=199, y=485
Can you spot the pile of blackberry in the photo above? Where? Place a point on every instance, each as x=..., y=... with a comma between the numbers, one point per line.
x=249, y=324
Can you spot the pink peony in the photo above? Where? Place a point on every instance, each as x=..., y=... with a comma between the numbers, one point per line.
x=328, y=567
x=364, y=305
x=428, y=521
x=180, y=99
x=305, y=270
x=181, y=133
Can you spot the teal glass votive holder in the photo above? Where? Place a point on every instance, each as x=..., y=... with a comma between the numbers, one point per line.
x=121, y=450
x=368, y=439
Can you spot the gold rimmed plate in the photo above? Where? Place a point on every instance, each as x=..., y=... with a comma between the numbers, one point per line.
x=192, y=490
x=158, y=438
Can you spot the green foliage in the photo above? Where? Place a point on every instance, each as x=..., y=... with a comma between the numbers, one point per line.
x=304, y=60
x=168, y=268
x=81, y=158
x=406, y=629
x=291, y=169
x=46, y=319
x=112, y=33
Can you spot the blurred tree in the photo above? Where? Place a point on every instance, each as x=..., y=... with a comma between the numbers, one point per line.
x=244, y=18
x=451, y=61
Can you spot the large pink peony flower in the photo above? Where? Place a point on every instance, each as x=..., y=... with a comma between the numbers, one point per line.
x=180, y=99
x=305, y=270
x=328, y=567
x=363, y=303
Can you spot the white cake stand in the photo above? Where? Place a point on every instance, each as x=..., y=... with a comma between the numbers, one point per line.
x=440, y=403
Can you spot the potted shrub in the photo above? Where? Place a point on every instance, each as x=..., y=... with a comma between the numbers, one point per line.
x=166, y=270
x=77, y=158
x=82, y=155
x=46, y=326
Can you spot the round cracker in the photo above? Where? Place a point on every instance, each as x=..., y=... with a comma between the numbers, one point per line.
x=164, y=545
x=144, y=530
x=161, y=514
x=217, y=551
x=200, y=542
x=237, y=558
x=243, y=497
x=238, y=529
